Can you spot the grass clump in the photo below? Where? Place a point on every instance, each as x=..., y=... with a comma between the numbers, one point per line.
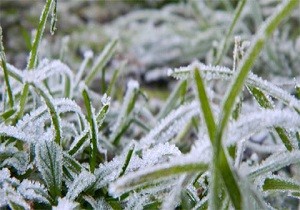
x=66, y=145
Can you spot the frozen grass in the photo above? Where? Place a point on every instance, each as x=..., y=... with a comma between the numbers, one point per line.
x=65, y=146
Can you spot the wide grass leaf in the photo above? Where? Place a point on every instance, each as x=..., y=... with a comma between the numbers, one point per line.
x=49, y=159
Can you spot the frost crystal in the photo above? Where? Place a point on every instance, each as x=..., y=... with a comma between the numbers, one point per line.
x=65, y=204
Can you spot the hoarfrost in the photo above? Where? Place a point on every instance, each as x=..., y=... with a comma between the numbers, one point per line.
x=81, y=182
x=65, y=204
x=48, y=157
x=33, y=190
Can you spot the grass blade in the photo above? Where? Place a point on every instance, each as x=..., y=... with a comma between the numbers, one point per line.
x=223, y=48
x=102, y=60
x=40, y=30
x=127, y=160
x=53, y=113
x=93, y=129
x=177, y=94
x=277, y=183
x=158, y=172
x=5, y=72
x=205, y=106
x=32, y=62
x=220, y=166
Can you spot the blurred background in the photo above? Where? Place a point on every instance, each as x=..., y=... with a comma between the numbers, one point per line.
x=153, y=35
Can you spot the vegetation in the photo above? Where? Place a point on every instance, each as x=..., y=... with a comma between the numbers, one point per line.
x=224, y=138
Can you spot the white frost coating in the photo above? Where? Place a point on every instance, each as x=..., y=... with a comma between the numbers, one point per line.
x=224, y=73
x=81, y=182
x=265, y=148
x=46, y=70
x=4, y=175
x=198, y=155
x=33, y=191
x=12, y=131
x=105, y=100
x=132, y=86
x=171, y=124
x=17, y=159
x=173, y=200
x=8, y=192
x=158, y=154
x=65, y=204
x=274, y=162
x=99, y=203
x=49, y=158
x=88, y=54
x=247, y=124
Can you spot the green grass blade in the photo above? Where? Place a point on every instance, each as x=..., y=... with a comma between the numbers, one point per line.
x=260, y=97
x=93, y=129
x=79, y=143
x=159, y=172
x=102, y=114
x=5, y=72
x=32, y=62
x=280, y=184
x=121, y=131
x=205, y=105
x=7, y=114
x=53, y=18
x=113, y=81
x=102, y=60
x=40, y=30
x=127, y=160
x=219, y=165
x=67, y=90
x=224, y=45
x=178, y=94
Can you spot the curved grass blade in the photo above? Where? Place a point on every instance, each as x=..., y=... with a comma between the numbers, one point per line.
x=135, y=179
x=79, y=142
x=54, y=115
